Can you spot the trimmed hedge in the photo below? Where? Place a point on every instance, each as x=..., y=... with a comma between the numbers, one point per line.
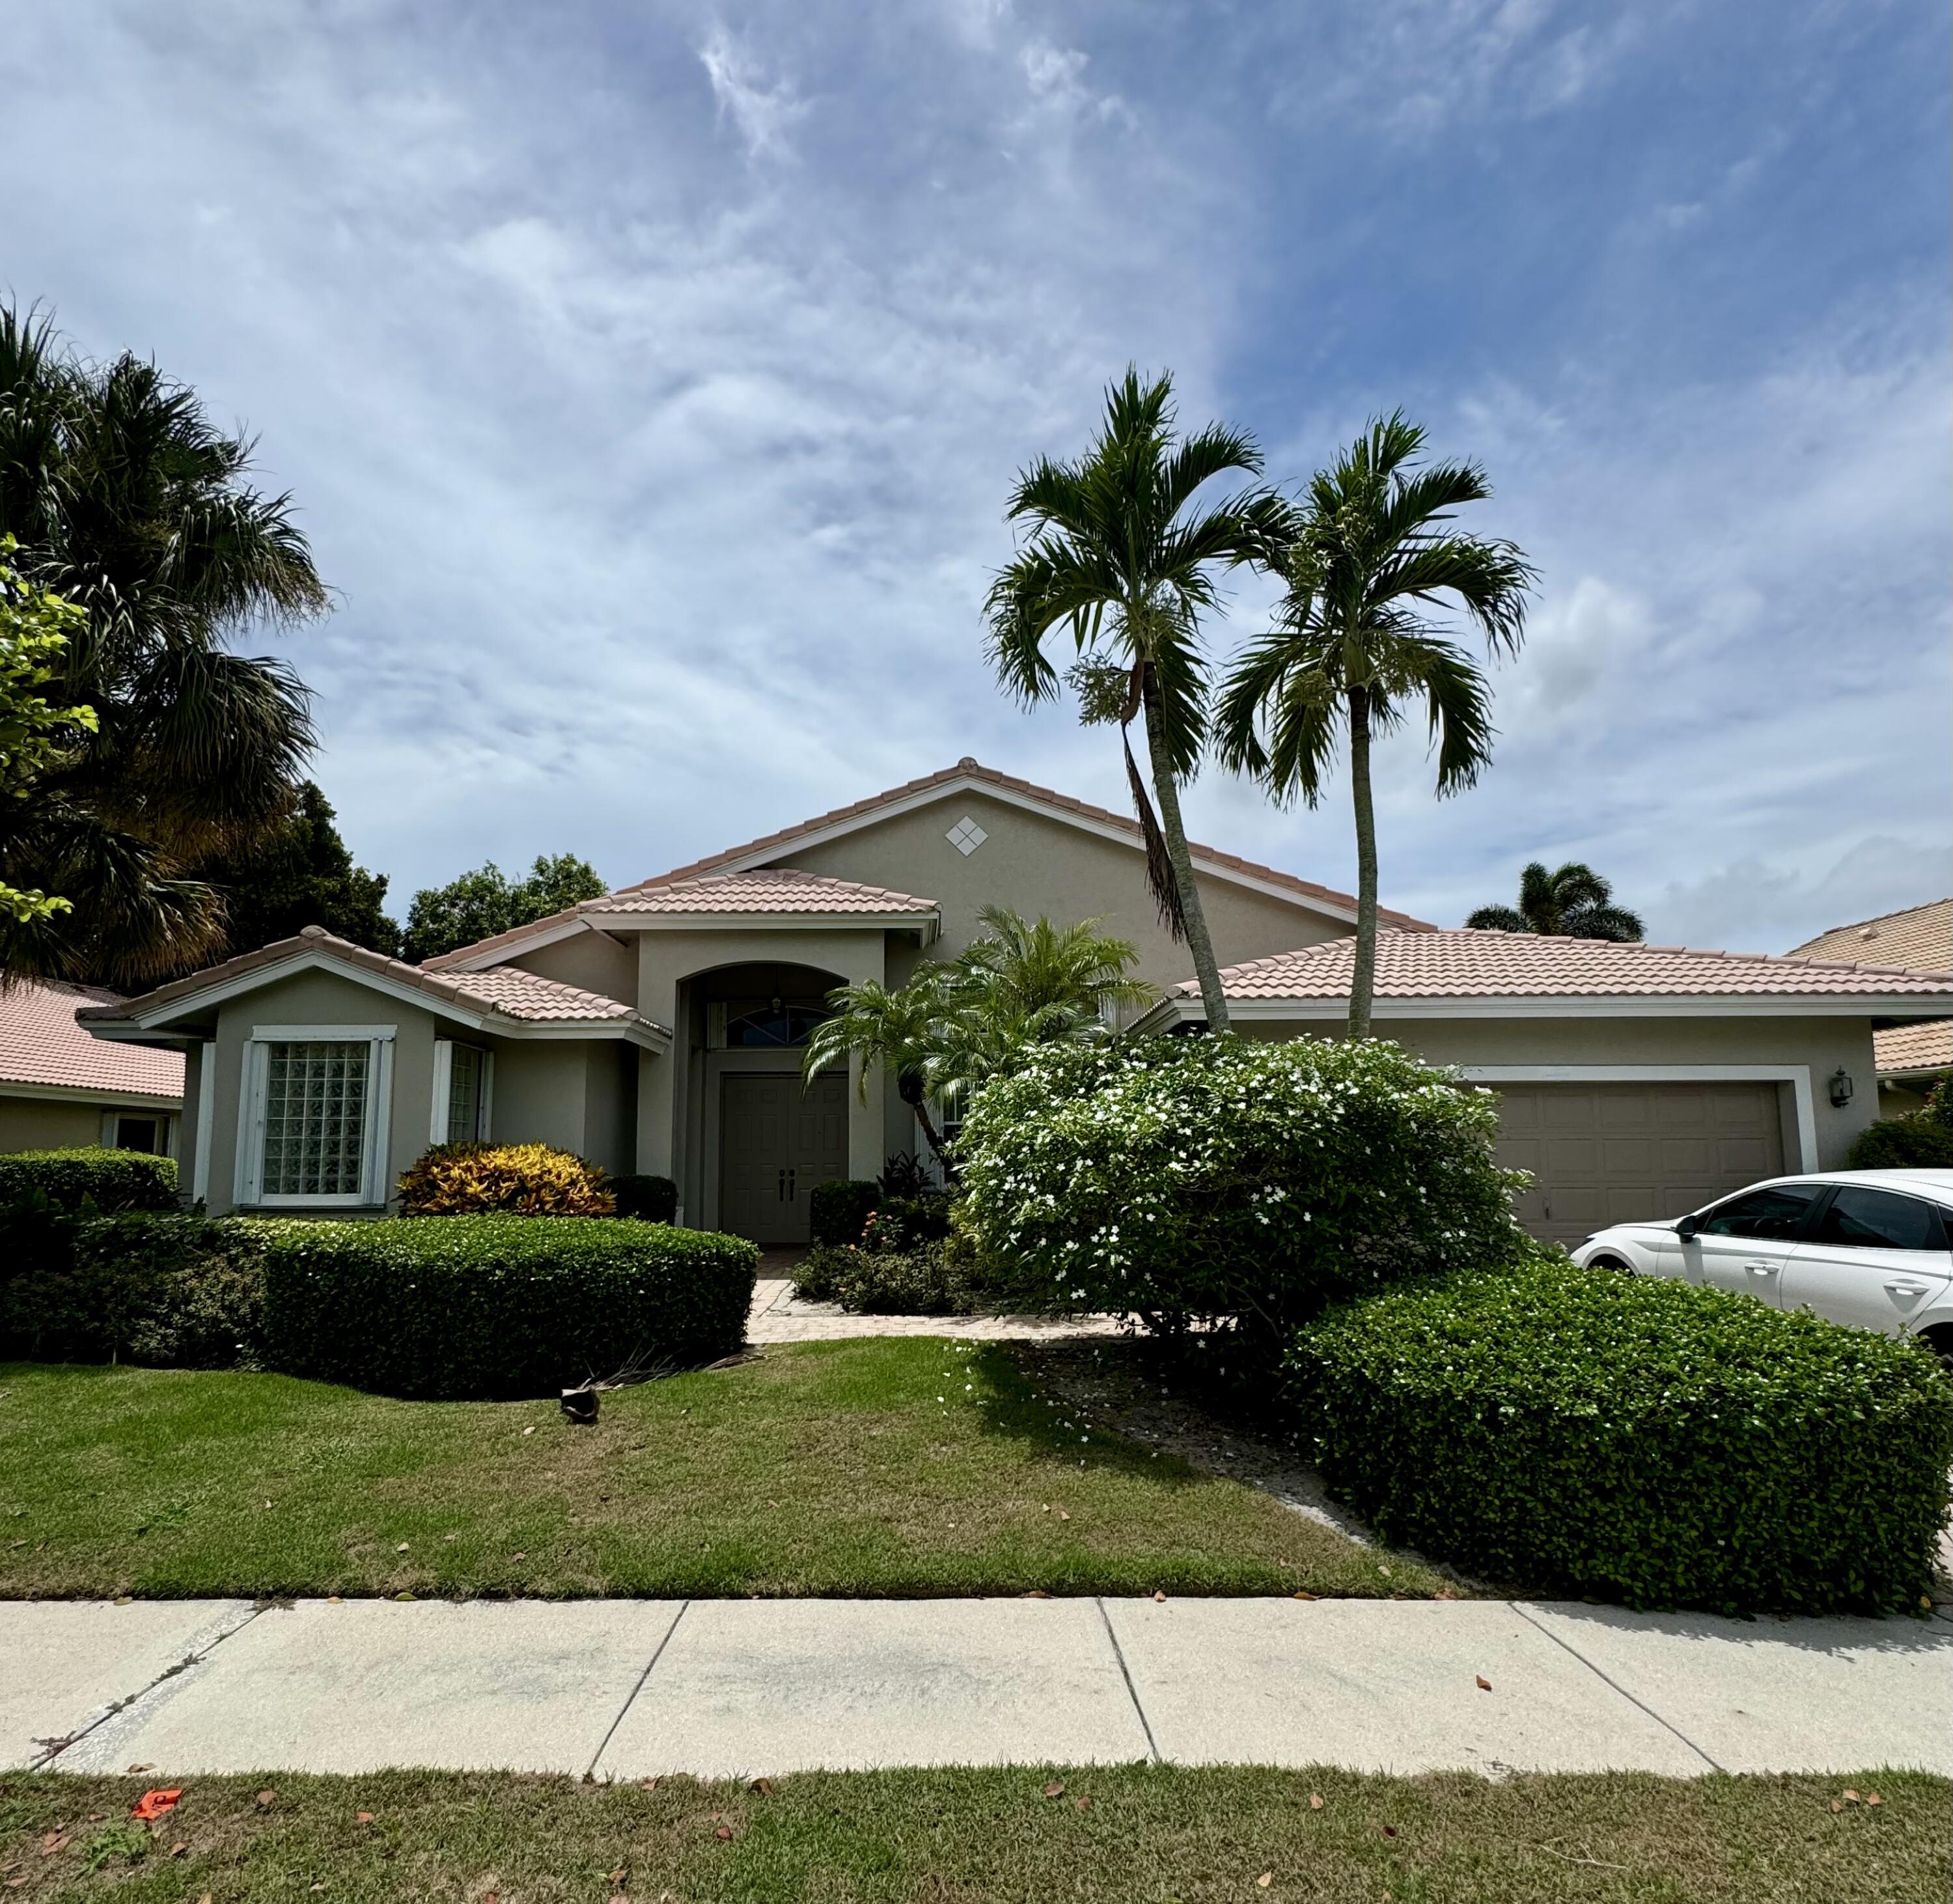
x=67, y=1182
x=1639, y=1439
x=499, y=1306
x=838, y=1209
x=651, y=1200
x=163, y=1290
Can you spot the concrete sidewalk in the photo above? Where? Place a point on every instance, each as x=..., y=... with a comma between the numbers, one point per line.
x=779, y=1316
x=628, y=1688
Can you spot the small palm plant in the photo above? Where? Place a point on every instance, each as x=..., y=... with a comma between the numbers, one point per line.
x=1354, y=645
x=1575, y=903
x=903, y=1030
x=1121, y=557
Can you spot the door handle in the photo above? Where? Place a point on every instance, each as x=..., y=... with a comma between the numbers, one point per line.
x=1906, y=1289
x=791, y=1192
x=1761, y=1268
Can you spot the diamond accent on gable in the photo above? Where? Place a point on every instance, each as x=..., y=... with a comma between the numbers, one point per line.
x=966, y=836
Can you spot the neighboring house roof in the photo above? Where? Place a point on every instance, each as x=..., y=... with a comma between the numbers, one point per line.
x=41, y=1045
x=967, y=774
x=1916, y=1051
x=1482, y=972
x=505, y=999
x=1920, y=939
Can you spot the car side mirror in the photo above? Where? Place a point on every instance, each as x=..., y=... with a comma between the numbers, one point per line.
x=1689, y=1229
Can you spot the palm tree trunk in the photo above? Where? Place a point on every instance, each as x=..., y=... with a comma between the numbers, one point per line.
x=1363, y=980
x=920, y=1105
x=1166, y=791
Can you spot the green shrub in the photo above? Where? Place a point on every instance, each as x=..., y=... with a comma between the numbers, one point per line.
x=499, y=1306
x=1593, y=1433
x=836, y=1210
x=1919, y=1142
x=166, y=1290
x=471, y=1179
x=908, y=1222
x=924, y=1279
x=651, y=1200
x=95, y=1181
x=1200, y=1178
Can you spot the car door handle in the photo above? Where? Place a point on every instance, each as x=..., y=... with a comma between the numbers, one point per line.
x=1761, y=1268
x=1906, y=1289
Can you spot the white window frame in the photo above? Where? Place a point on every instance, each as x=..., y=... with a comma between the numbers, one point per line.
x=251, y=1113
x=444, y=1087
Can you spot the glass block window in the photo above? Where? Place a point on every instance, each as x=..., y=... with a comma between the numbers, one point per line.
x=464, y=1095
x=315, y=1106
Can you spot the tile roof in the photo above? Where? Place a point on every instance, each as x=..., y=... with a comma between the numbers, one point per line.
x=1920, y=939
x=506, y=992
x=967, y=769
x=1915, y=1047
x=41, y=1044
x=772, y=889
x=1465, y=963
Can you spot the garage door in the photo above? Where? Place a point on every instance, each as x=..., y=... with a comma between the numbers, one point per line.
x=1602, y=1154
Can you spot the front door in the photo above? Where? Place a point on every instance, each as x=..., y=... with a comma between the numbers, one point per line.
x=776, y=1141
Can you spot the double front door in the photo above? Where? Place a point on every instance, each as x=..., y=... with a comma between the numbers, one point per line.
x=777, y=1141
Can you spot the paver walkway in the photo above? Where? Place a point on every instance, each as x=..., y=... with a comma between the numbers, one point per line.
x=778, y=1316
x=628, y=1689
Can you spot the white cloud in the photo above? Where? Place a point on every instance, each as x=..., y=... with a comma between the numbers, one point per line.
x=763, y=113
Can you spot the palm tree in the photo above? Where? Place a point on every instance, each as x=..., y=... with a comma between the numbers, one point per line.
x=1353, y=645
x=1575, y=903
x=1120, y=557
x=1029, y=982
x=129, y=501
x=903, y=1030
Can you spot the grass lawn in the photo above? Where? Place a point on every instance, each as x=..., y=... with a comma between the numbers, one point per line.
x=889, y=1466
x=1144, y=1835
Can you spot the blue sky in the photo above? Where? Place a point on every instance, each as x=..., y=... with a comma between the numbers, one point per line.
x=650, y=379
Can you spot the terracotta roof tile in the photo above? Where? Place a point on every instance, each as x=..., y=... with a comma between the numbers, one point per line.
x=772, y=889
x=1468, y=964
x=965, y=769
x=41, y=1043
x=1920, y=939
x=506, y=990
x=1915, y=1047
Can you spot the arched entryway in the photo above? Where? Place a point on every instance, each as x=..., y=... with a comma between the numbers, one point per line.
x=769, y=1139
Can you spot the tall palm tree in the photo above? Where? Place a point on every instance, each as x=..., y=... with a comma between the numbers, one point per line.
x=1029, y=982
x=1353, y=644
x=1574, y=903
x=903, y=1031
x=127, y=500
x=1120, y=556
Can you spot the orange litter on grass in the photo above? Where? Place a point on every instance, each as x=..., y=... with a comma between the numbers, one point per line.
x=151, y=1805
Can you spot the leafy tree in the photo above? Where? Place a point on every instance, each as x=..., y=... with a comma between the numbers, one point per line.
x=480, y=904
x=126, y=499
x=1353, y=645
x=302, y=875
x=35, y=733
x=1574, y=903
x=903, y=1031
x=1121, y=557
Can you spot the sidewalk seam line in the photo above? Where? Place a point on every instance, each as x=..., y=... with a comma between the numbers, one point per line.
x=1567, y=1647
x=657, y=1653
x=1125, y=1673
x=117, y=1707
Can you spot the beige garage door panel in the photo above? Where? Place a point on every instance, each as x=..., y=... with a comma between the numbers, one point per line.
x=1602, y=1154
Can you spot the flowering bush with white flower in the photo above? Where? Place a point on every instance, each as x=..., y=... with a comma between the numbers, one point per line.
x=1201, y=1180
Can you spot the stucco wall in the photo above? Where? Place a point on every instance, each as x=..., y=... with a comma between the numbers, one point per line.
x=46, y=1124
x=594, y=961
x=1034, y=863
x=1823, y=1045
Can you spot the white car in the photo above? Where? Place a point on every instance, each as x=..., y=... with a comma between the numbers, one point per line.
x=1866, y=1248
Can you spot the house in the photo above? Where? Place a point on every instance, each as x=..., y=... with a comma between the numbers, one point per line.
x=1911, y=1058
x=1633, y=1080
x=60, y=1087
x=656, y=1029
